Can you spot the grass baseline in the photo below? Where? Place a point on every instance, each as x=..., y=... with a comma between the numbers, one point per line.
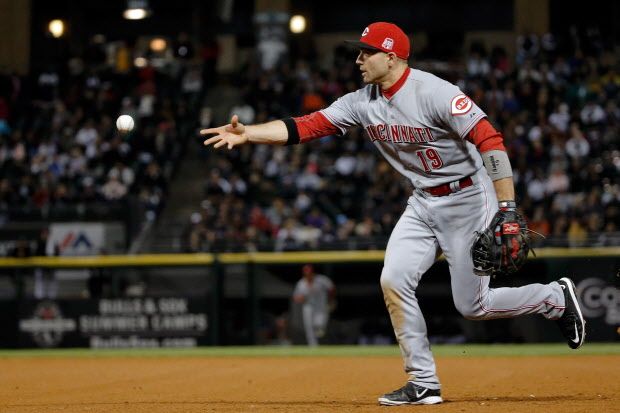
x=440, y=350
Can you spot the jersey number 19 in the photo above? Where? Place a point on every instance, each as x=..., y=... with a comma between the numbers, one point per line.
x=430, y=159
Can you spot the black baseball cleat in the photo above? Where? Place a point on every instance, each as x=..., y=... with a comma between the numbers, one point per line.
x=411, y=394
x=572, y=324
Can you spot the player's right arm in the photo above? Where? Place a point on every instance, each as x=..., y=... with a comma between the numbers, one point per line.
x=330, y=121
x=236, y=133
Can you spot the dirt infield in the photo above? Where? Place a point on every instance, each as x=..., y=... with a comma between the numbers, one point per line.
x=303, y=384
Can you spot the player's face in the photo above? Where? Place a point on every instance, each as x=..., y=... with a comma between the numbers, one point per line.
x=307, y=271
x=373, y=65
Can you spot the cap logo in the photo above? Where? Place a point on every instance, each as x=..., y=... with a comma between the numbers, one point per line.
x=460, y=105
x=388, y=43
x=365, y=32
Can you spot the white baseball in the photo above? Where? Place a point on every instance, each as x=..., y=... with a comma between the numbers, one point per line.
x=125, y=123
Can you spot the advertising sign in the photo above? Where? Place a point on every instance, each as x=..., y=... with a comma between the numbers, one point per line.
x=114, y=323
x=76, y=239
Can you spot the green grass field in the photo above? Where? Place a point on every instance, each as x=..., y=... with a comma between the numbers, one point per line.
x=477, y=350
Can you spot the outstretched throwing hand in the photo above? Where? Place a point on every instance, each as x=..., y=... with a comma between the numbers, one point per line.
x=230, y=135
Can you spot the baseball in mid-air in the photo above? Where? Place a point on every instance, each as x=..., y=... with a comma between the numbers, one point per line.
x=125, y=123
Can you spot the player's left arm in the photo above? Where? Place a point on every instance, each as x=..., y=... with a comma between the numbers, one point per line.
x=502, y=248
x=504, y=189
x=490, y=144
x=461, y=114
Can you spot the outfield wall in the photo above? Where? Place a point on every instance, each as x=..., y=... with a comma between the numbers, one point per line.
x=206, y=299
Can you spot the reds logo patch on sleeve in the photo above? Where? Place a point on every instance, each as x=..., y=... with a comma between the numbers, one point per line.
x=460, y=105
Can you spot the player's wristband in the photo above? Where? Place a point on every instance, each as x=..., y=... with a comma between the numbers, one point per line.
x=497, y=164
x=507, y=205
x=293, y=133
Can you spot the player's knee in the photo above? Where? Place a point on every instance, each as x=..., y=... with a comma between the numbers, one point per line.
x=471, y=310
x=391, y=279
x=387, y=282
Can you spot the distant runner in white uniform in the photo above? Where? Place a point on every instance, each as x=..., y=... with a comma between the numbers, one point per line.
x=438, y=138
x=315, y=293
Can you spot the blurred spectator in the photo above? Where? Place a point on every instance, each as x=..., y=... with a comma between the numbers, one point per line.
x=592, y=113
x=577, y=233
x=577, y=146
x=245, y=112
x=560, y=118
x=477, y=66
x=289, y=236
x=87, y=137
x=557, y=182
x=536, y=188
x=125, y=174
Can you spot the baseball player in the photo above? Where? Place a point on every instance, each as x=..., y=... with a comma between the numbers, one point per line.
x=315, y=293
x=438, y=138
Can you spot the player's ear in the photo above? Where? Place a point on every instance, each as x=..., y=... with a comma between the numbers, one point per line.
x=393, y=57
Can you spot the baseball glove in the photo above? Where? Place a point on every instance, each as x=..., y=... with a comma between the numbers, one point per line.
x=502, y=248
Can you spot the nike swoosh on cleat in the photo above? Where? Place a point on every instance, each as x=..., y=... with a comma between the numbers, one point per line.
x=576, y=339
x=418, y=395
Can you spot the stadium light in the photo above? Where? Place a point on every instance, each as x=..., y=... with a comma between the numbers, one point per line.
x=158, y=44
x=57, y=28
x=140, y=62
x=297, y=24
x=137, y=10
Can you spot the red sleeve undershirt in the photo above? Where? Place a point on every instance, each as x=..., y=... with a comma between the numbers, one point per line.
x=486, y=137
x=316, y=125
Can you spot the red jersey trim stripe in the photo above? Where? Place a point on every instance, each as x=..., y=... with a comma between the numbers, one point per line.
x=391, y=91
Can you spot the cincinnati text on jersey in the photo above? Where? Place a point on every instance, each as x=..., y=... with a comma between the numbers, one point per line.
x=399, y=133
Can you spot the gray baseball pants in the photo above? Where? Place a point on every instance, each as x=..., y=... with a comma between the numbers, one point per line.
x=431, y=225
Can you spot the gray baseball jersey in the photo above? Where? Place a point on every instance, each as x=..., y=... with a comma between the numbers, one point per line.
x=420, y=130
x=315, y=308
x=315, y=294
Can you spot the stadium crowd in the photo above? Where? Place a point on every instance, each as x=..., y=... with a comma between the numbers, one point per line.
x=60, y=151
x=557, y=107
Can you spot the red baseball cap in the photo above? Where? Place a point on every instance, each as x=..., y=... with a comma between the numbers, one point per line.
x=384, y=37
